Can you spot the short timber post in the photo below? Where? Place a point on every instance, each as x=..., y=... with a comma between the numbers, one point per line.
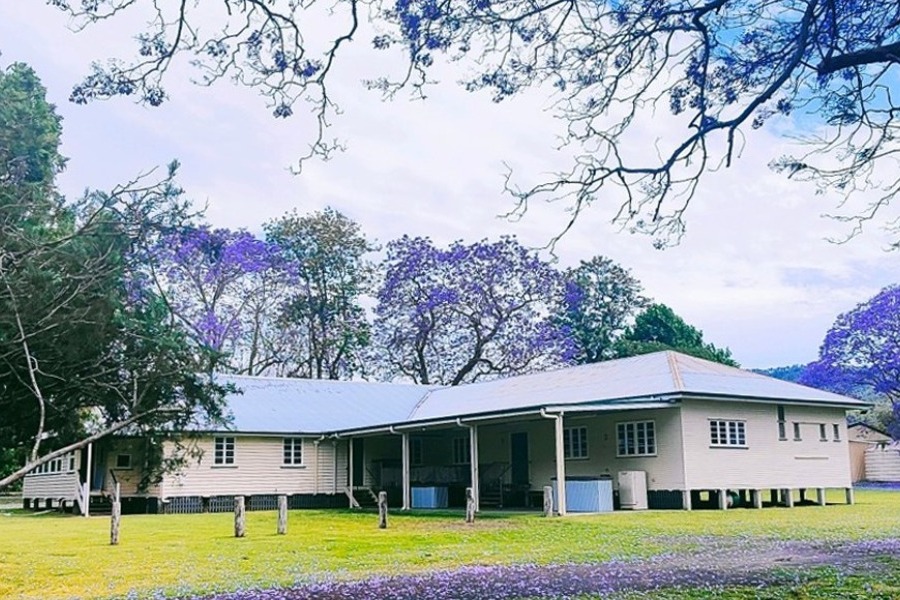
x=470, y=505
x=115, y=517
x=282, y=514
x=382, y=510
x=788, y=495
x=548, y=501
x=848, y=494
x=820, y=496
x=756, y=498
x=240, y=516
x=723, y=499
x=686, y=500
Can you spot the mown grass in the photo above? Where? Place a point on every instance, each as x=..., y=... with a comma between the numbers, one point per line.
x=51, y=556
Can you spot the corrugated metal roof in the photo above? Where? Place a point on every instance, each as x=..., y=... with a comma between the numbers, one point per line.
x=280, y=405
x=645, y=376
x=285, y=405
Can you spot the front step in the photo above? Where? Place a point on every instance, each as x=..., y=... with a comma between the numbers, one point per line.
x=100, y=506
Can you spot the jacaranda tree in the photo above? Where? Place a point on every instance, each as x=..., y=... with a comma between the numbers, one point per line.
x=861, y=352
x=226, y=289
x=467, y=312
x=718, y=67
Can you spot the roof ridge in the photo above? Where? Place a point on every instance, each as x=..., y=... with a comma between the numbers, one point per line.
x=675, y=370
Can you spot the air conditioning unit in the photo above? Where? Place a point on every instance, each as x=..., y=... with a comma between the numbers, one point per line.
x=632, y=490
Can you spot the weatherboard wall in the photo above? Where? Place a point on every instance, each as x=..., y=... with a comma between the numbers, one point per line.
x=765, y=461
x=258, y=469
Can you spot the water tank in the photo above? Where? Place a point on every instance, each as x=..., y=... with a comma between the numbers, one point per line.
x=632, y=490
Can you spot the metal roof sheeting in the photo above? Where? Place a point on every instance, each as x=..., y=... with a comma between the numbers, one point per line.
x=273, y=405
x=284, y=405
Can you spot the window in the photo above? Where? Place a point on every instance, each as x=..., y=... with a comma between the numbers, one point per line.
x=837, y=432
x=292, y=451
x=123, y=461
x=71, y=462
x=637, y=438
x=727, y=433
x=797, y=437
x=822, y=435
x=575, y=444
x=782, y=426
x=462, y=451
x=224, y=454
x=416, y=452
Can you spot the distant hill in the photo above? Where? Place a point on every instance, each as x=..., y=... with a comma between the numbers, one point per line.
x=790, y=373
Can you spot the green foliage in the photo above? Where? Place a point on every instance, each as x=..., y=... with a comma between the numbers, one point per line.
x=601, y=300
x=790, y=373
x=85, y=347
x=659, y=328
x=322, y=318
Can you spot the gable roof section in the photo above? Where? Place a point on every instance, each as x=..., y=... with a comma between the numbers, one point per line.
x=647, y=377
x=309, y=406
x=287, y=405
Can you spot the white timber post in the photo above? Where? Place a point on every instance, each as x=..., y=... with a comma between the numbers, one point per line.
x=473, y=452
x=686, y=499
x=820, y=496
x=404, y=441
x=316, y=469
x=788, y=496
x=756, y=497
x=560, y=467
x=848, y=494
x=350, y=469
x=87, y=483
x=334, y=457
x=723, y=499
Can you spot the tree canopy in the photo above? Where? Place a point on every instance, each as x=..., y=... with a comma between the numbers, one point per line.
x=85, y=348
x=860, y=355
x=470, y=311
x=719, y=68
x=659, y=328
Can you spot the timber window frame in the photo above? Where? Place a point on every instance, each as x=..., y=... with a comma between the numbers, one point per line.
x=727, y=433
x=416, y=452
x=123, y=461
x=635, y=438
x=292, y=452
x=782, y=424
x=575, y=443
x=836, y=427
x=223, y=450
x=462, y=451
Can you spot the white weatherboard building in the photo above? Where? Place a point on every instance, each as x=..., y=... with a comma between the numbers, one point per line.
x=663, y=430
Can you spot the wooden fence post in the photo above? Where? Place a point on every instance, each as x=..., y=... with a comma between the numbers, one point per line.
x=115, y=517
x=470, y=505
x=282, y=515
x=548, y=501
x=382, y=510
x=239, y=516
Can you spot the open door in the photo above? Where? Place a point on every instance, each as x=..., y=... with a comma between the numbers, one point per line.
x=518, y=453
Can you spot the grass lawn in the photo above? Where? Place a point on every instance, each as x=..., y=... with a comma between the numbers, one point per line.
x=50, y=556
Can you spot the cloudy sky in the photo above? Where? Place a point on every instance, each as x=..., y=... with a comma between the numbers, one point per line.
x=754, y=272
